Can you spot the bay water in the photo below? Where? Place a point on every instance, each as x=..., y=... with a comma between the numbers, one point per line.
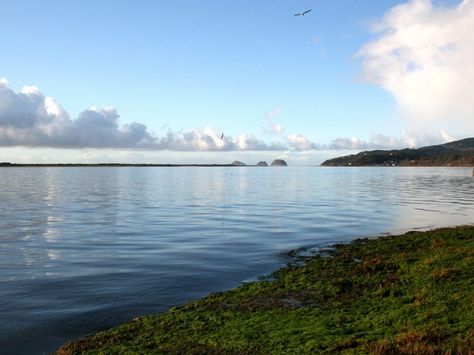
x=84, y=249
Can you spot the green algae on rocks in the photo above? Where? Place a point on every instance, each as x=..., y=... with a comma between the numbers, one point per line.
x=407, y=294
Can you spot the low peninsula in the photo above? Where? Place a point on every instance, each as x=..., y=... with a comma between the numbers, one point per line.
x=405, y=294
x=458, y=153
x=276, y=162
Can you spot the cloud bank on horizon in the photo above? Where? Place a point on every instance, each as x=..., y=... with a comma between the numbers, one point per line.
x=423, y=57
x=29, y=118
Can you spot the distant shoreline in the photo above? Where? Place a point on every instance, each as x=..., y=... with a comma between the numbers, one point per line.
x=456, y=154
x=121, y=165
x=106, y=165
x=6, y=164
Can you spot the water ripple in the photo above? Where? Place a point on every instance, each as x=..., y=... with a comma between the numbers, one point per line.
x=83, y=249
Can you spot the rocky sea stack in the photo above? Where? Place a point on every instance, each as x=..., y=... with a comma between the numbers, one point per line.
x=279, y=162
x=238, y=163
x=262, y=163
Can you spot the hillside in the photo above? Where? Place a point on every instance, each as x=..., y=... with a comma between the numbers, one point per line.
x=458, y=153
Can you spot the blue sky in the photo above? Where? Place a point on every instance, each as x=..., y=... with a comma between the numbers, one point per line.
x=189, y=70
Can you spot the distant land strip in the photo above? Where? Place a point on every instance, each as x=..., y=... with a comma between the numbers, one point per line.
x=458, y=153
x=276, y=162
x=105, y=165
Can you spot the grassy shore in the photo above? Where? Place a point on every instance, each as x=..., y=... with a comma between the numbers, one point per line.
x=409, y=294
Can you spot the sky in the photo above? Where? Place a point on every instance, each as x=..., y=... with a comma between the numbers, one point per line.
x=161, y=81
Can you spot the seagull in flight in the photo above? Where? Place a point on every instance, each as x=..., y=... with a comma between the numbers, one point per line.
x=303, y=13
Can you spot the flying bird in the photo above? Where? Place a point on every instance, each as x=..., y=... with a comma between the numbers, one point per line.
x=303, y=13
x=222, y=135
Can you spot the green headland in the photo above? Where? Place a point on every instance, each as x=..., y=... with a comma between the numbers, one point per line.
x=458, y=153
x=406, y=294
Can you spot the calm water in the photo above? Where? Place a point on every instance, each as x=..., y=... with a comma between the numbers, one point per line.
x=83, y=249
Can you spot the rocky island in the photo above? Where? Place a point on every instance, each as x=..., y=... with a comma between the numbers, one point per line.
x=238, y=163
x=279, y=162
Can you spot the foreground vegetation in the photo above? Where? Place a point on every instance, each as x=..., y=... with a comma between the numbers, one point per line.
x=409, y=294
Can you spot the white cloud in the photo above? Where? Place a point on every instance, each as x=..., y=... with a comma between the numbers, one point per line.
x=274, y=113
x=380, y=141
x=30, y=90
x=30, y=119
x=210, y=140
x=277, y=128
x=274, y=128
x=301, y=143
x=348, y=144
x=423, y=56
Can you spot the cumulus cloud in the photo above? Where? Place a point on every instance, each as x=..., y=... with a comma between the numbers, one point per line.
x=301, y=143
x=381, y=141
x=423, y=56
x=277, y=128
x=31, y=119
x=348, y=144
x=210, y=140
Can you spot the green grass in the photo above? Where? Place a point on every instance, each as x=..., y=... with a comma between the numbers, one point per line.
x=409, y=294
